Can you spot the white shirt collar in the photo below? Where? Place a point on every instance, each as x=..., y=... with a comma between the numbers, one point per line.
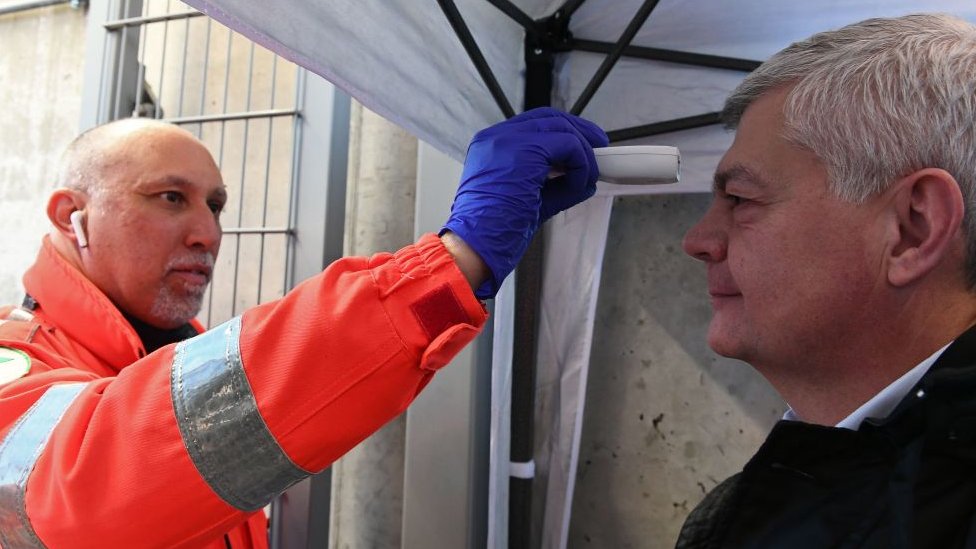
x=885, y=401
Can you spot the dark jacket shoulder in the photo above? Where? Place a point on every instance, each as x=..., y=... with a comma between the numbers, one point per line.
x=905, y=481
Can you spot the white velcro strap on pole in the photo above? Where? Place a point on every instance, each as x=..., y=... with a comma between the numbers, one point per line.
x=524, y=469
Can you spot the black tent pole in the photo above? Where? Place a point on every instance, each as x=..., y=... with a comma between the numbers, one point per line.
x=568, y=8
x=671, y=56
x=471, y=46
x=618, y=49
x=666, y=126
x=540, y=50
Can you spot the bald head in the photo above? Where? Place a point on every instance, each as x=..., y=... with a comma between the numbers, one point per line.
x=149, y=195
x=102, y=149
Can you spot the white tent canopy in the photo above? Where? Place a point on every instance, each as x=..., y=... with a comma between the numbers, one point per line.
x=405, y=61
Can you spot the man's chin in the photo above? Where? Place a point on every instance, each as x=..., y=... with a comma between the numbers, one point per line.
x=169, y=312
x=725, y=343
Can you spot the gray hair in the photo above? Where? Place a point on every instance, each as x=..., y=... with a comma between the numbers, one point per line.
x=877, y=100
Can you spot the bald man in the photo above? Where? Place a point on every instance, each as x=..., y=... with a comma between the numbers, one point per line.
x=118, y=431
x=150, y=196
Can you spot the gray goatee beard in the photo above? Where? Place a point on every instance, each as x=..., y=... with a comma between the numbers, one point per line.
x=179, y=308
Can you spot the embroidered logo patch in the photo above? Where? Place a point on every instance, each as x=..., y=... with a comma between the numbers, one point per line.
x=14, y=364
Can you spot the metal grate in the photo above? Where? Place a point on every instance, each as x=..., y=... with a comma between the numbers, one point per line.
x=242, y=101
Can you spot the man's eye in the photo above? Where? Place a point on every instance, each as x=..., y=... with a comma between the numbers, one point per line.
x=216, y=207
x=172, y=197
x=736, y=200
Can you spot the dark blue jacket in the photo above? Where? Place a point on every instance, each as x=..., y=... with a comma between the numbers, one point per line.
x=905, y=481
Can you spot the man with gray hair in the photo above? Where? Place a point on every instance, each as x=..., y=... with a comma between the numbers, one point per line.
x=841, y=255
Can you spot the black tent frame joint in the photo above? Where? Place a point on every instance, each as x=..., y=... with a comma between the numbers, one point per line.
x=553, y=35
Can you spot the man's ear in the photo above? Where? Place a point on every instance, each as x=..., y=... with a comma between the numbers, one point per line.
x=928, y=210
x=60, y=206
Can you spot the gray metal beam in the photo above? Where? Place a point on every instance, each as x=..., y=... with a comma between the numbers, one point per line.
x=145, y=20
x=227, y=117
x=111, y=63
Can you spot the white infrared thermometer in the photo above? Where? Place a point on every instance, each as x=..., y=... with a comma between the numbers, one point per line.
x=639, y=164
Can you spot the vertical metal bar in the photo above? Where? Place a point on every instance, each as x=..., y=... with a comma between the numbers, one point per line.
x=204, y=76
x=162, y=68
x=118, y=88
x=267, y=174
x=240, y=201
x=296, y=143
x=223, y=128
x=223, y=106
x=140, y=58
x=141, y=73
x=117, y=70
x=186, y=42
x=101, y=64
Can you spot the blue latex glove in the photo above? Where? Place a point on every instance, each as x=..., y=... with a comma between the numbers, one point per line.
x=505, y=192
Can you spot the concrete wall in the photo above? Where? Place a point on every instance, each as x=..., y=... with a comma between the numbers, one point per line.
x=41, y=61
x=367, y=483
x=666, y=419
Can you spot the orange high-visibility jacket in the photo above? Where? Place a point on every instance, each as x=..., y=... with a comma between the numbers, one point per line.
x=102, y=448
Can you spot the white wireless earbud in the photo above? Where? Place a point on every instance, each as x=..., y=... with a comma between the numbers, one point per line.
x=76, y=217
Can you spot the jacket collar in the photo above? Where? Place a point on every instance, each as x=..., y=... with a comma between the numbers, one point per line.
x=943, y=402
x=78, y=308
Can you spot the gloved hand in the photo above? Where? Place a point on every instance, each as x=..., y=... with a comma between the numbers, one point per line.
x=505, y=192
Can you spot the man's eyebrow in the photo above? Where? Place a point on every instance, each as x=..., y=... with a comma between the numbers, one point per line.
x=737, y=172
x=171, y=180
x=183, y=182
x=220, y=193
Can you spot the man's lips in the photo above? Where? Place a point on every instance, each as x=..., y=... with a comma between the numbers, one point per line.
x=723, y=293
x=193, y=274
x=721, y=285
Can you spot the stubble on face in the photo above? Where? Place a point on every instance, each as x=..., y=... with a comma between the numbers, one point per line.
x=155, y=260
x=790, y=264
x=178, y=304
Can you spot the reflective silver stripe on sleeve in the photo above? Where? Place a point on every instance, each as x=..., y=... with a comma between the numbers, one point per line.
x=222, y=429
x=18, y=454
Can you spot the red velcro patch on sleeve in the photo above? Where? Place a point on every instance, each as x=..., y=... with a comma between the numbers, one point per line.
x=438, y=310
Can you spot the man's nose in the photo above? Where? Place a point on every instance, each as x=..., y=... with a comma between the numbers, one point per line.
x=707, y=240
x=204, y=231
